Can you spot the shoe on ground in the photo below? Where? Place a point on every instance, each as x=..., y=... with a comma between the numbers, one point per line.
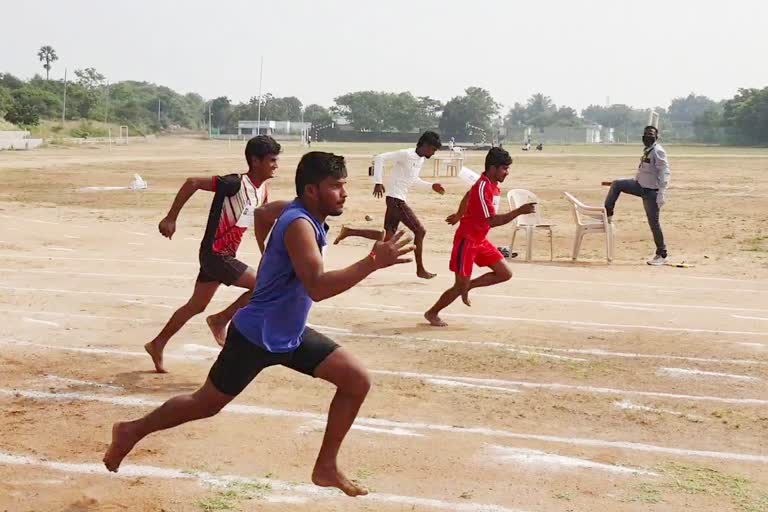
x=657, y=261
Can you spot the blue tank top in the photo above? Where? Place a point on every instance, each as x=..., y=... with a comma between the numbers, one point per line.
x=277, y=313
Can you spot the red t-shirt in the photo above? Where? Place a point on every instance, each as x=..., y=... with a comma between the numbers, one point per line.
x=483, y=202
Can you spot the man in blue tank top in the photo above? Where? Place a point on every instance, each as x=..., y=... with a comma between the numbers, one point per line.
x=271, y=329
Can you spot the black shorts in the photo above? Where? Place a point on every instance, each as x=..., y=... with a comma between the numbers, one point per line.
x=240, y=361
x=220, y=268
x=398, y=211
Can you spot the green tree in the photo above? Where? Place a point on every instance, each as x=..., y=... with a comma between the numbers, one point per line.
x=9, y=81
x=686, y=110
x=476, y=108
x=316, y=114
x=428, y=115
x=746, y=114
x=47, y=55
x=6, y=101
x=24, y=109
x=365, y=110
x=221, y=108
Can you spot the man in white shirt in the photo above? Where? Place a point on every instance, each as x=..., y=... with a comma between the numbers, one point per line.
x=407, y=165
x=650, y=183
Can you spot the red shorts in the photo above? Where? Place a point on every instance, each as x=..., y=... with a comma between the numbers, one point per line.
x=466, y=253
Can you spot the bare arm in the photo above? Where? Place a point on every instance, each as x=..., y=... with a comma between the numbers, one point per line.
x=264, y=218
x=506, y=218
x=167, y=226
x=307, y=261
x=456, y=217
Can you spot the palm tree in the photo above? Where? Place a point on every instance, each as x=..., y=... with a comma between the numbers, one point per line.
x=48, y=55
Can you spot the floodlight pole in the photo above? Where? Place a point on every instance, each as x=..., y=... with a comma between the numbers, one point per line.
x=261, y=74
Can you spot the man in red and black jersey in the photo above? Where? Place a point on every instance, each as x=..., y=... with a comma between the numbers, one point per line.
x=477, y=214
x=236, y=197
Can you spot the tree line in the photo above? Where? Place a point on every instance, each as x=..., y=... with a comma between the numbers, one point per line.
x=742, y=119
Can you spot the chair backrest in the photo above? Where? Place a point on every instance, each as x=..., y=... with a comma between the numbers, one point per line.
x=516, y=198
x=584, y=214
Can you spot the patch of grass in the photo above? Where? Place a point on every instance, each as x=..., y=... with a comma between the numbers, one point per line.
x=758, y=243
x=231, y=497
x=565, y=496
x=645, y=493
x=692, y=479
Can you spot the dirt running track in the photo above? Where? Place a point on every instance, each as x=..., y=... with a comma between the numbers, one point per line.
x=572, y=387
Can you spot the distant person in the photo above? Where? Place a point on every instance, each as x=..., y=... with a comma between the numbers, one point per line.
x=477, y=214
x=235, y=197
x=539, y=147
x=407, y=164
x=451, y=143
x=309, y=141
x=650, y=183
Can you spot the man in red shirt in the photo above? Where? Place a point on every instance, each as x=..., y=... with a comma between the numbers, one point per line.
x=478, y=214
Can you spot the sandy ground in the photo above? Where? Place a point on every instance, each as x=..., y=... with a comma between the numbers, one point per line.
x=575, y=386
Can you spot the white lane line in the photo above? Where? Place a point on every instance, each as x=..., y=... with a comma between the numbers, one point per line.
x=137, y=233
x=143, y=303
x=626, y=405
x=75, y=382
x=154, y=472
x=640, y=306
x=538, y=458
x=114, y=260
x=573, y=388
x=62, y=249
x=749, y=317
x=567, y=323
x=410, y=339
x=97, y=351
x=487, y=383
x=319, y=426
x=72, y=237
x=156, y=277
x=472, y=317
x=632, y=308
x=692, y=372
x=612, y=284
x=458, y=384
x=135, y=243
x=41, y=322
x=134, y=401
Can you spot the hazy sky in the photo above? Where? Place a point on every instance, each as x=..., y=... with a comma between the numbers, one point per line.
x=639, y=53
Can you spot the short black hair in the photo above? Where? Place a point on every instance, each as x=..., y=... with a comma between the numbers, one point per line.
x=497, y=157
x=315, y=166
x=261, y=146
x=429, y=138
x=651, y=127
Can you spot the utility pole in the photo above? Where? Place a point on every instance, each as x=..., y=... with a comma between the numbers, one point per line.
x=64, y=107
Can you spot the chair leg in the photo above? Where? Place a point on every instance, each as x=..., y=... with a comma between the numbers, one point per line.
x=551, y=246
x=512, y=243
x=529, y=243
x=609, y=243
x=577, y=244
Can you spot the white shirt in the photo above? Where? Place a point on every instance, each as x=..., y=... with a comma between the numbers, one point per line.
x=406, y=166
x=653, y=171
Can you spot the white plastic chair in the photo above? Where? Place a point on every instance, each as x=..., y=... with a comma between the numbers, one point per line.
x=590, y=219
x=516, y=198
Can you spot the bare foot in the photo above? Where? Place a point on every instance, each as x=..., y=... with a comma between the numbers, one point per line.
x=218, y=329
x=465, y=298
x=424, y=274
x=123, y=441
x=433, y=319
x=157, y=356
x=342, y=235
x=332, y=477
